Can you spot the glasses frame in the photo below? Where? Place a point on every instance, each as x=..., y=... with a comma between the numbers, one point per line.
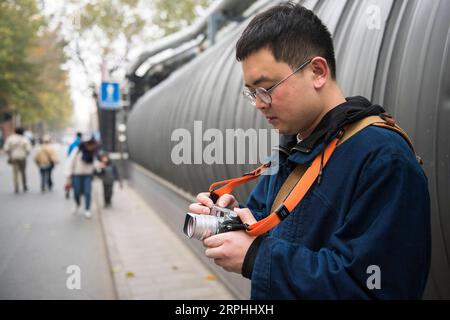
x=264, y=94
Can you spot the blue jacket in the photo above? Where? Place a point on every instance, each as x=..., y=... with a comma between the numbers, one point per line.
x=372, y=208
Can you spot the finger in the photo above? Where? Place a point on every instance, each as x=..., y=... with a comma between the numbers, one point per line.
x=214, y=241
x=204, y=199
x=245, y=215
x=214, y=253
x=198, y=208
x=226, y=200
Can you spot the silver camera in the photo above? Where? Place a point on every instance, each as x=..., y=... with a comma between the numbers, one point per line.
x=202, y=226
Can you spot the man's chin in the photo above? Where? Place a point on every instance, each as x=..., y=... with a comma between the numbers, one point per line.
x=284, y=131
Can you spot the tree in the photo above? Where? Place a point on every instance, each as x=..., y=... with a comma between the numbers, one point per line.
x=102, y=35
x=32, y=83
x=19, y=22
x=54, y=98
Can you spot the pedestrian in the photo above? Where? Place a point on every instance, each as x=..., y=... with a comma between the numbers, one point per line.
x=17, y=148
x=46, y=158
x=361, y=216
x=80, y=170
x=108, y=173
x=75, y=143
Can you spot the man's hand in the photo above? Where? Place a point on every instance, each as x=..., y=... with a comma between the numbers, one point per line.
x=229, y=249
x=205, y=203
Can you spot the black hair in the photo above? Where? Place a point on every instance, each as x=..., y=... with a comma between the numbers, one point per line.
x=79, y=134
x=293, y=33
x=19, y=131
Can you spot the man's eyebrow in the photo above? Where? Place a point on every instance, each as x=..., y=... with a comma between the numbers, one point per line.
x=258, y=81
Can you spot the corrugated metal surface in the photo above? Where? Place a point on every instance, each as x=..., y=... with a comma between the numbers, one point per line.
x=400, y=61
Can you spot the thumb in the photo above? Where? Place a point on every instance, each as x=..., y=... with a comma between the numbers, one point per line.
x=245, y=215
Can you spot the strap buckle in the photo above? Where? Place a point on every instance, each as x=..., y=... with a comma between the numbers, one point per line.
x=390, y=121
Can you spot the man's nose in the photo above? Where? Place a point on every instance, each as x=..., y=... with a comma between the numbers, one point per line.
x=261, y=105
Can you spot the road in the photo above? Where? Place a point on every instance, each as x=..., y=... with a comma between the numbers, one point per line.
x=40, y=239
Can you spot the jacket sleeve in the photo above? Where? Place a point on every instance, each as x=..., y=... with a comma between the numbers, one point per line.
x=7, y=146
x=387, y=227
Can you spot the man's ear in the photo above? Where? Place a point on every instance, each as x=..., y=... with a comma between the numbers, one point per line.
x=321, y=72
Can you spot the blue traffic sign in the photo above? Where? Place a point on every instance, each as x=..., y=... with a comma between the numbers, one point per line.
x=110, y=95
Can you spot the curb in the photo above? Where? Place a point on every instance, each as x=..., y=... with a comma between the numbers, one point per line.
x=122, y=291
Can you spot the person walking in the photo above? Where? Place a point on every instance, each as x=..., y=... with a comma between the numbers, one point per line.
x=46, y=158
x=80, y=170
x=17, y=148
x=109, y=174
x=75, y=143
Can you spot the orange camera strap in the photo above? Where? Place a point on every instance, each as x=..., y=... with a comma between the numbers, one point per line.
x=309, y=177
x=296, y=195
x=227, y=186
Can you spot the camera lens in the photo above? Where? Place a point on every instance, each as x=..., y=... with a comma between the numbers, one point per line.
x=200, y=226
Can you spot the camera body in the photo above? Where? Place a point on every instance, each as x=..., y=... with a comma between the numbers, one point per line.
x=202, y=226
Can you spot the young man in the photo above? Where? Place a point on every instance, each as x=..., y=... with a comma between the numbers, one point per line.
x=362, y=230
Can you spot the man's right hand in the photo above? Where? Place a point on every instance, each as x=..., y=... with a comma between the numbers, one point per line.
x=204, y=204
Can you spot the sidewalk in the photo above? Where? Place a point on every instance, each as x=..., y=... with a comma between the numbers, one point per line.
x=147, y=260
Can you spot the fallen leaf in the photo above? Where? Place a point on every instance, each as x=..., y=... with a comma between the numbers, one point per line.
x=129, y=274
x=115, y=269
x=211, y=277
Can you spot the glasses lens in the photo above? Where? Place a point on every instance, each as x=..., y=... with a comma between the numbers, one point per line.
x=250, y=96
x=264, y=95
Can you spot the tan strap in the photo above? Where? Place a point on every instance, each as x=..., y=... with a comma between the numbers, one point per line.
x=288, y=185
x=384, y=121
x=357, y=126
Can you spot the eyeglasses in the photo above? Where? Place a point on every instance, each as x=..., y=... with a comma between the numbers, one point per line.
x=264, y=94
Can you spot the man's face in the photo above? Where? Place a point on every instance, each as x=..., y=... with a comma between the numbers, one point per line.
x=295, y=105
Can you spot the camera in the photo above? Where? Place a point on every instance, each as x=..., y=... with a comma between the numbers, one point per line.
x=202, y=226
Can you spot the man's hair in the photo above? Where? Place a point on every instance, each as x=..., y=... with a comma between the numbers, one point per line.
x=293, y=33
x=19, y=131
x=79, y=134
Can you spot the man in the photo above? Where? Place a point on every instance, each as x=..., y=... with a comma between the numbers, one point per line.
x=362, y=230
x=17, y=147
